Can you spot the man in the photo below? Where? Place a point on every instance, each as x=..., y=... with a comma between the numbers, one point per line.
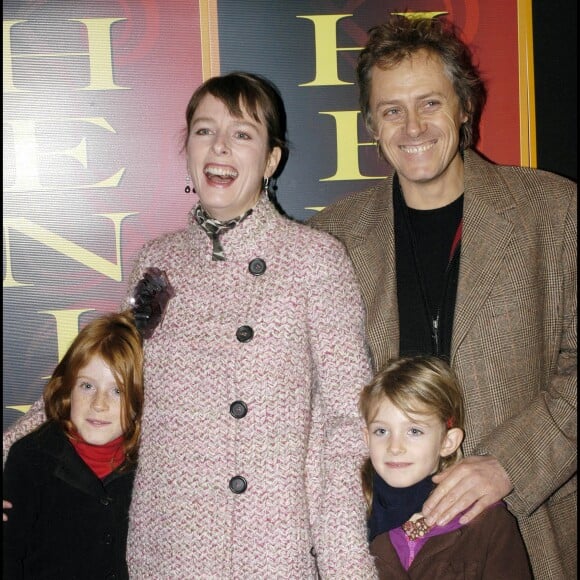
x=475, y=263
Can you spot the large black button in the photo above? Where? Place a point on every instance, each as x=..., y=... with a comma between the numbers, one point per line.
x=257, y=267
x=238, y=484
x=105, y=501
x=238, y=409
x=245, y=333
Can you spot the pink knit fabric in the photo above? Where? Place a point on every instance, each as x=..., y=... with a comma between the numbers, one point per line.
x=299, y=377
x=300, y=445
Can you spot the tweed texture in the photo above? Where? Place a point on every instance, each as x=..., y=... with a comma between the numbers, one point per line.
x=300, y=444
x=514, y=337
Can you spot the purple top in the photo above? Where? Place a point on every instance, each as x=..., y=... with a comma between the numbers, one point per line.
x=407, y=549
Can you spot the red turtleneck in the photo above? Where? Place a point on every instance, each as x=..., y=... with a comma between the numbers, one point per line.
x=102, y=459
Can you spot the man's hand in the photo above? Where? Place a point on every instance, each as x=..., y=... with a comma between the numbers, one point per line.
x=476, y=481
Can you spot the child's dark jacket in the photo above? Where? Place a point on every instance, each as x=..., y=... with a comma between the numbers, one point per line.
x=65, y=522
x=488, y=548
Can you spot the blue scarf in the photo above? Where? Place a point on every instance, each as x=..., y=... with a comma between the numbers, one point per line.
x=393, y=506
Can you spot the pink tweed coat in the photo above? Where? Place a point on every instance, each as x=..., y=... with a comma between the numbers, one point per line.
x=278, y=409
x=514, y=343
x=296, y=380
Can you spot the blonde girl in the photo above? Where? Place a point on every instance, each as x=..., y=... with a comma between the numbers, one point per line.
x=414, y=427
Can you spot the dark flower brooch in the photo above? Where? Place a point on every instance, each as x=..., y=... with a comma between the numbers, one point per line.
x=149, y=300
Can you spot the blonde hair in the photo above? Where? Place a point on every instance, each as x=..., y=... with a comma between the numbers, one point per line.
x=420, y=384
x=115, y=338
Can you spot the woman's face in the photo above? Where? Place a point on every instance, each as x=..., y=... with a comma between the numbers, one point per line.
x=228, y=158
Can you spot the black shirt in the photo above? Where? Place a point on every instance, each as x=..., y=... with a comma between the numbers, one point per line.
x=427, y=273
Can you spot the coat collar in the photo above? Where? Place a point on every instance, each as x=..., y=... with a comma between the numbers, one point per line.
x=241, y=240
x=70, y=468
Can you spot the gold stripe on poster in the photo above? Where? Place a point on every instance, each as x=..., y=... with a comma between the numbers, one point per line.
x=209, y=33
x=528, y=155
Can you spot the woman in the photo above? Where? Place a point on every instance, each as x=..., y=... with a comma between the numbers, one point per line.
x=251, y=438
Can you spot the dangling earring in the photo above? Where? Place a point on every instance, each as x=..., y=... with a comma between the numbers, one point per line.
x=188, y=189
x=266, y=185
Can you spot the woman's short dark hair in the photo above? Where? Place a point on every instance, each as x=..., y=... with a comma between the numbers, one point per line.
x=399, y=38
x=257, y=95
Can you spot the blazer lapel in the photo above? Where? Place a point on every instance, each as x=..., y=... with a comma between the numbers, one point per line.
x=373, y=255
x=486, y=236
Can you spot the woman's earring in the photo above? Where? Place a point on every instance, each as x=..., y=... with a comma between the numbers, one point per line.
x=266, y=184
x=188, y=189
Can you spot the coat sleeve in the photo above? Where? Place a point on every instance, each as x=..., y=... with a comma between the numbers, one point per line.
x=342, y=368
x=537, y=447
x=32, y=419
x=18, y=483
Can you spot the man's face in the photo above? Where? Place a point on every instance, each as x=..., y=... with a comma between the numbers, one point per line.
x=416, y=118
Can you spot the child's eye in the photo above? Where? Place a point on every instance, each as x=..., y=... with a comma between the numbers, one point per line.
x=379, y=431
x=86, y=386
x=415, y=431
x=242, y=135
x=202, y=132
